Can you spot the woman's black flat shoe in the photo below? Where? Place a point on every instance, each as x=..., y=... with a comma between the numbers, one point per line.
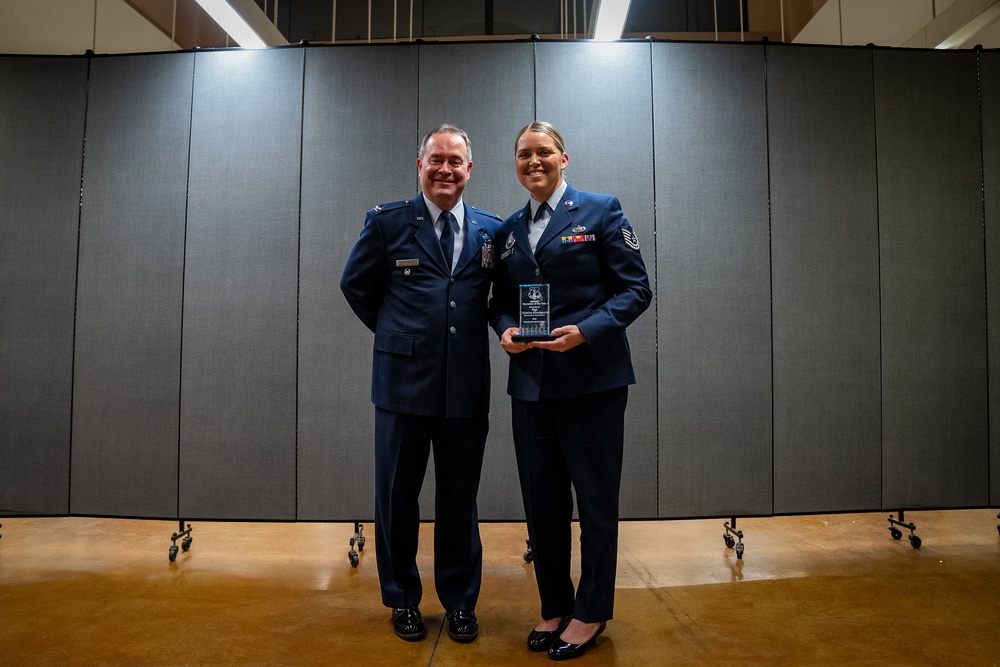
x=560, y=650
x=540, y=641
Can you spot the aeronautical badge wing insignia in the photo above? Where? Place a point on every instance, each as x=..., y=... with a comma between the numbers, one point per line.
x=631, y=240
x=508, y=247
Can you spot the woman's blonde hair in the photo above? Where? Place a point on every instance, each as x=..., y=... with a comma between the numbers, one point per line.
x=544, y=128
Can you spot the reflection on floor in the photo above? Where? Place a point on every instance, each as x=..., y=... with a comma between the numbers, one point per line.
x=809, y=590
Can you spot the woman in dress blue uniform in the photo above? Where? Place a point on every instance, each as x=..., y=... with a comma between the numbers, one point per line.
x=568, y=394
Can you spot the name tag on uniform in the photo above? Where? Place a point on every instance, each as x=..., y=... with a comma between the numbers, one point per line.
x=407, y=262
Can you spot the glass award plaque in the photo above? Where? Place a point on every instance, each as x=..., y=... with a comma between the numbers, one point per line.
x=535, y=324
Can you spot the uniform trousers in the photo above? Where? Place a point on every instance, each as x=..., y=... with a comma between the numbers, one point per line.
x=562, y=443
x=402, y=448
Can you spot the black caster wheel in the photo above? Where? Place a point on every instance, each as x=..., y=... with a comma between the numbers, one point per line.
x=914, y=541
x=896, y=533
x=186, y=543
x=173, y=553
x=739, y=551
x=353, y=555
x=528, y=555
x=361, y=543
x=729, y=540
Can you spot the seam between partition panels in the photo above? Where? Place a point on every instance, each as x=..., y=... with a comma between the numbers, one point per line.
x=656, y=306
x=878, y=259
x=298, y=276
x=76, y=290
x=180, y=357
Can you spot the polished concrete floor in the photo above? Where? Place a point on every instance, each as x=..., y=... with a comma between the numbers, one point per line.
x=810, y=590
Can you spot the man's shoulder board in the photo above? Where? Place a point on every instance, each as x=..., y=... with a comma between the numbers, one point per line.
x=488, y=214
x=389, y=207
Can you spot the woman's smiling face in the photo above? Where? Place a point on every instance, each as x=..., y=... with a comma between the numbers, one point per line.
x=539, y=164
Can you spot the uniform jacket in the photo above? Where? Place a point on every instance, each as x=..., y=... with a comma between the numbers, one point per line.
x=589, y=255
x=431, y=351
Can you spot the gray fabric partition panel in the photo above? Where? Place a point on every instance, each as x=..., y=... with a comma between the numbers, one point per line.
x=355, y=155
x=713, y=280
x=127, y=364
x=598, y=95
x=934, y=377
x=42, y=111
x=824, y=263
x=218, y=373
x=989, y=86
x=238, y=367
x=485, y=82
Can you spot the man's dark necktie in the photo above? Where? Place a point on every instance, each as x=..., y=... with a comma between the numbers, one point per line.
x=448, y=225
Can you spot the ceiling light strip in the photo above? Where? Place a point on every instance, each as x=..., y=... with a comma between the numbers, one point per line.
x=610, y=22
x=244, y=22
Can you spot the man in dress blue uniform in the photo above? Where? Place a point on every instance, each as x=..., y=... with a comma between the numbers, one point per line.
x=419, y=277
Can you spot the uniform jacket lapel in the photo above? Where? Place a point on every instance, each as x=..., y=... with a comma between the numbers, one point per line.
x=473, y=238
x=521, y=232
x=562, y=217
x=424, y=233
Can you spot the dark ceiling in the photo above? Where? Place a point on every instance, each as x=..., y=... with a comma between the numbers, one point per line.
x=314, y=20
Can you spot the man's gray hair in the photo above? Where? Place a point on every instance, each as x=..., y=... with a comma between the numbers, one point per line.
x=449, y=128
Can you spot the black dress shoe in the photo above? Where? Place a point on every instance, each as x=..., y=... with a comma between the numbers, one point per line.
x=540, y=640
x=462, y=626
x=408, y=624
x=561, y=650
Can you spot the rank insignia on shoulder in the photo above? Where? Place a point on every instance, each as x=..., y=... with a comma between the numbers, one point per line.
x=389, y=206
x=631, y=240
